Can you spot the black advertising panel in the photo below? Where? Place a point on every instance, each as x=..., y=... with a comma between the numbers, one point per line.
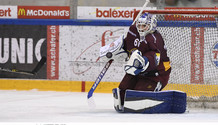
x=21, y=48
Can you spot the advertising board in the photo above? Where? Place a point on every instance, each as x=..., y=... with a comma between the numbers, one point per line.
x=8, y=12
x=22, y=47
x=43, y=12
x=109, y=13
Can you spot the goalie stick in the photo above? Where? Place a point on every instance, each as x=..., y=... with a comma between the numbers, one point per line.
x=108, y=55
x=33, y=72
x=100, y=76
x=145, y=5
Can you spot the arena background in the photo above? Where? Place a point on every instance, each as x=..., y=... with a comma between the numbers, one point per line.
x=76, y=69
x=121, y=3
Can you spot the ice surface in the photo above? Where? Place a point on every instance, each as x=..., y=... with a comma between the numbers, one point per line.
x=67, y=107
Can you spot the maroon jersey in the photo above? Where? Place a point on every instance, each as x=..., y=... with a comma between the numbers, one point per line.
x=151, y=46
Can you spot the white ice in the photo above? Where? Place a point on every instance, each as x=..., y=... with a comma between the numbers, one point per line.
x=67, y=107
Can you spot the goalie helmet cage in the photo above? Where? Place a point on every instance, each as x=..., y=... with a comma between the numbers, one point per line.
x=191, y=39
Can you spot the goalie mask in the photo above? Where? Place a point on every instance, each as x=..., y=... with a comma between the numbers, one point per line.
x=146, y=24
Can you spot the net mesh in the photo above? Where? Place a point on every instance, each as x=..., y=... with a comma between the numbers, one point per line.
x=192, y=44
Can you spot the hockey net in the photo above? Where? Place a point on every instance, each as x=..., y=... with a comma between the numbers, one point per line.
x=191, y=37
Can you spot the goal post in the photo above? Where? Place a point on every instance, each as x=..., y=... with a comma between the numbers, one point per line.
x=191, y=38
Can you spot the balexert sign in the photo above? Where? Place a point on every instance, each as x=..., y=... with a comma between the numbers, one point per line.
x=44, y=12
x=8, y=11
x=117, y=13
x=5, y=12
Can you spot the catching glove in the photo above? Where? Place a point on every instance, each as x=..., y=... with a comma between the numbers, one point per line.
x=136, y=64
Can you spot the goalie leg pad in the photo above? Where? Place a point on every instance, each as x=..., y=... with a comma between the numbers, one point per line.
x=117, y=101
x=154, y=102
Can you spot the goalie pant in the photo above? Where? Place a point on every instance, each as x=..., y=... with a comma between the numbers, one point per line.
x=159, y=68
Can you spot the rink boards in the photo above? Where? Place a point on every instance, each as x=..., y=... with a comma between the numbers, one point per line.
x=72, y=51
x=103, y=87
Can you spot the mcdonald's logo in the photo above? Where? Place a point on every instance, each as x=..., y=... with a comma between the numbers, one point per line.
x=43, y=12
x=21, y=12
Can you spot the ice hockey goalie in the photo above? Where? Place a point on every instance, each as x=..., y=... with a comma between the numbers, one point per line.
x=147, y=72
